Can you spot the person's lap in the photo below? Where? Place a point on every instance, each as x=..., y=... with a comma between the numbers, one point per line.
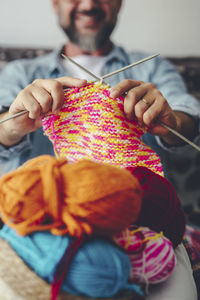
x=180, y=285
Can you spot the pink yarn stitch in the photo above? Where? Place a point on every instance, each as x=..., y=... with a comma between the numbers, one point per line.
x=92, y=125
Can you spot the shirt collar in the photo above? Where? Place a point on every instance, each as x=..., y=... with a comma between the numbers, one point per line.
x=55, y=63
x=117, y=53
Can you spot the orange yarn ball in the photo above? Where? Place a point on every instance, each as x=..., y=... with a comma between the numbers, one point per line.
x=84, y=197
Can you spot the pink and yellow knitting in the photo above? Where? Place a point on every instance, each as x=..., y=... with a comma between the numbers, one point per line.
x=92, y=125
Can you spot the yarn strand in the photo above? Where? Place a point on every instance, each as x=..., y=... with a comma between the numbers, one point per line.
x=64, y=265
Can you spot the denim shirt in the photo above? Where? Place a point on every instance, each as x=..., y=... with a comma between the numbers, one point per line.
x=18, y=74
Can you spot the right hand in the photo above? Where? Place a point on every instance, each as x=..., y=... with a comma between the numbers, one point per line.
x=39, y=97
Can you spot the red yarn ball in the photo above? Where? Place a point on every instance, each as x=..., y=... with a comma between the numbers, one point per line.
x=161, y=207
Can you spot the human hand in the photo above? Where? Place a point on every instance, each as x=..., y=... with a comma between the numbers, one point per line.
x=146, y=103
x=39, y=97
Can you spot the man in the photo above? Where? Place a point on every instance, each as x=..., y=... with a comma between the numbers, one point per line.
x=88, y=25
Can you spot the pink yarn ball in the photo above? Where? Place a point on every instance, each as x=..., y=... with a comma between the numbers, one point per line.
x=151, y=254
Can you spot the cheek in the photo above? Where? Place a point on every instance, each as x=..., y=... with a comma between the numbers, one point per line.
x=64, y=14
x=111, y=15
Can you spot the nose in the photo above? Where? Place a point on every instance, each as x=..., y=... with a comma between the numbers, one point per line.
x=88, y=4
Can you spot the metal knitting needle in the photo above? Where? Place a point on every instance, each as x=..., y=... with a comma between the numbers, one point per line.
x=112, y=73
x=91, y=74
x=13, y=116
x=81, y=67
x=71, y=60
x=130, y=66
x=106, y=76
x=179, y=135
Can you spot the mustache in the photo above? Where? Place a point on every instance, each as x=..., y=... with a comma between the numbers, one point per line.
x=95, y=12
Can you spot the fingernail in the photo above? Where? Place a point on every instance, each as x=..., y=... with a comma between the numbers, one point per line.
x=56, y=111
x=130, y=117
x=113, y=93
x=83, y=81
x=140, y=123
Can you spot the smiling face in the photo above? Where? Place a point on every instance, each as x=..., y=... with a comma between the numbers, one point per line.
x=87, y=23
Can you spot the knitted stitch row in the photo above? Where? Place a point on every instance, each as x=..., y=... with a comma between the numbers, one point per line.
x=92, y=125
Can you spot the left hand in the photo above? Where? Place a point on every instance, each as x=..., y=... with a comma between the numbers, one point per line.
x=146, y=103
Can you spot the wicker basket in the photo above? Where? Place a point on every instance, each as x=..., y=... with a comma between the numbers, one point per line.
x=18, y=282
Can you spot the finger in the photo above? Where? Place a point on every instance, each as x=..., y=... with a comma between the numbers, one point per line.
x=33, y=107
x=123, y=87
x=43, y=97
x=158, y=106
x=25, y=101
x=58, y=94
x=70, y=82
x=135, y=95
x=144, y=103
x=52, y=87
x=141, y=107
x=29, y=103
x=131, y=99
x=55, y=88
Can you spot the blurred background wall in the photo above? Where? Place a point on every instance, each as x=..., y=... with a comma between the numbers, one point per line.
x=170, y=27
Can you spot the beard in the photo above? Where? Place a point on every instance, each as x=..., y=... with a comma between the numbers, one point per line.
x=93, y=41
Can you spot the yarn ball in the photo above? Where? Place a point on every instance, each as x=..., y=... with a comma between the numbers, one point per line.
x=84, y=197
x=161, y=207
x=92, y=125
x=151, y=254
x=99, y=268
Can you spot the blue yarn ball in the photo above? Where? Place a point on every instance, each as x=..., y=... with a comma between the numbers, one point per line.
x=99, y=268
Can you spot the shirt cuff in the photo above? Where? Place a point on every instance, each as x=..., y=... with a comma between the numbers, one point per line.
x=185, y=147
x=177, y=149
x=3, y=108
x=16, y=150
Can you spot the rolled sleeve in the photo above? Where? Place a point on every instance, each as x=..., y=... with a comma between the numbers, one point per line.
x=11, y=152
x=173, y=88
x=10, y=157
x=10, y=85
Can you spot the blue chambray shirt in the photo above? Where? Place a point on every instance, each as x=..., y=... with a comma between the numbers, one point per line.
x=18, y=74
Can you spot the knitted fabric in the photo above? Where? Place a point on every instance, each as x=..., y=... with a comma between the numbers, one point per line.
x=92, y=125
x=151, y=254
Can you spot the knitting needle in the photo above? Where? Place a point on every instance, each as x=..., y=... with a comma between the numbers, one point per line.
x=13, y=116
x=81, y=67
x=91, y=74
x=179, y=135
x=112, y=73
x=106, y=76
x=125, y=68
x=25, y=111
x=161, y=123
x=129, y=66
x=66, y=57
